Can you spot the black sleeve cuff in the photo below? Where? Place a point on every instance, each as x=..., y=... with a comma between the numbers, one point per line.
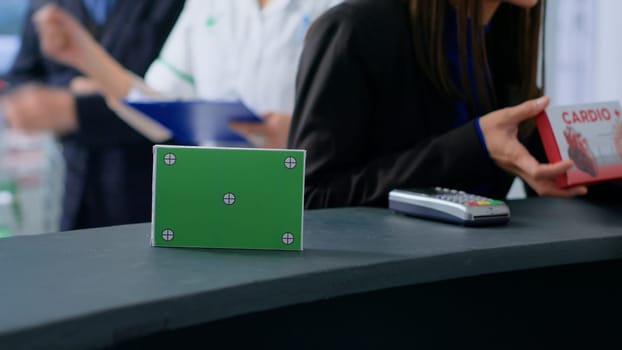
x=98, y=125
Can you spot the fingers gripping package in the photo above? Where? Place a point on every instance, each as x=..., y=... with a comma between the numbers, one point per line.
x=590, y=135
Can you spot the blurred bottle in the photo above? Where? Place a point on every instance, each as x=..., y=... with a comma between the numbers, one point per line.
x=31, y=181
x=33, y=172
x=10, y=209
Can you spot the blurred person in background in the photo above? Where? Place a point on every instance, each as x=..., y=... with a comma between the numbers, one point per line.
x=236, y=50
x=108, y=164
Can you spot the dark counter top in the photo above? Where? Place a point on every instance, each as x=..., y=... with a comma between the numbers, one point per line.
x=92, y=288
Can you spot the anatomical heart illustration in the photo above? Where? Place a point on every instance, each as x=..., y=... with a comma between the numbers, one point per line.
x=579, y=152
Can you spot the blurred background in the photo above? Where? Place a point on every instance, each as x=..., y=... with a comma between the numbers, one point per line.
x=31, y=166
x=12, y=14
x=583, y=64
x=583, y=51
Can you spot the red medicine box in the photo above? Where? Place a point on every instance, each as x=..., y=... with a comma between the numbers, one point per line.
x=590, y=135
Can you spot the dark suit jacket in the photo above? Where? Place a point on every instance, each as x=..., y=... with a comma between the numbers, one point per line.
x=108, y=177
x=369, y=118
x=371, y=121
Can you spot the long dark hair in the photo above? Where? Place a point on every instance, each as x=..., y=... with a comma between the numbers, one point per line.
x=513, y=42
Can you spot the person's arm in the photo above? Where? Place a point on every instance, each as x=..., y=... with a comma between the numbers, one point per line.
x=172, y=73
x=65, y=40
x=97, y=124
x=333, y=122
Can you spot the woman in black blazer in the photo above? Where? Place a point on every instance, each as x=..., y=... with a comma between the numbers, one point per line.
x=381, y=102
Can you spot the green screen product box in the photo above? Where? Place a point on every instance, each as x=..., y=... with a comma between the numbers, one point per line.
x=206, y=197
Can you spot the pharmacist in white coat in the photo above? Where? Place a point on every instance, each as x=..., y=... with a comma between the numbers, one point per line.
x=238, y=50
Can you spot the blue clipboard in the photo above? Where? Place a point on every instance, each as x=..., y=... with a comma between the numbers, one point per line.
x=199, y=121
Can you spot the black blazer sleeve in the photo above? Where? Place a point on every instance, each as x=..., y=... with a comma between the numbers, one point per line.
x=365, y=123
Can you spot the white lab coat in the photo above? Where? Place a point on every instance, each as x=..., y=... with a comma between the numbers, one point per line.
x=233, y=50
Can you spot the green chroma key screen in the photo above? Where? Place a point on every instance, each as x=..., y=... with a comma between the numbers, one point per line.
x=227, y=198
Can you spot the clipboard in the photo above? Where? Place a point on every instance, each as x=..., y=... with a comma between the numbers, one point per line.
x=196, y=122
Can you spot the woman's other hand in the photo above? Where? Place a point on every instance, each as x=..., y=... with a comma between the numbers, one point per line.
x=500, y=130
